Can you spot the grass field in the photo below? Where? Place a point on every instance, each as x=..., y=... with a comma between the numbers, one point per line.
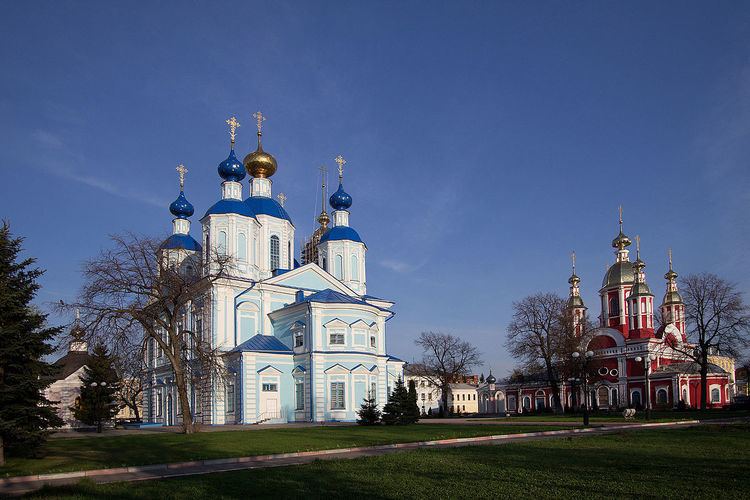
x=64, y=455
x=701, y=462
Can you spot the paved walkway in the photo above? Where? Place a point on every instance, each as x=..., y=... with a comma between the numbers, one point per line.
x=25, y=484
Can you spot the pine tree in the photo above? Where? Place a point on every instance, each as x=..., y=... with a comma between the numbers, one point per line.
x=411, y=408
x=25, y=414
x=368, y=413
x=97, y=403
x=481, y=378
x=393, y=411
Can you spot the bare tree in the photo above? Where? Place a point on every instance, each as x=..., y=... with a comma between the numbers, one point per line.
x=718, y=322
x=134, y=289
x=131, y=368
x=537, y=336
x=445, y=359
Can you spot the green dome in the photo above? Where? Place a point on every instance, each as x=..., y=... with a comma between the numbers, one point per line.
x=620, y=273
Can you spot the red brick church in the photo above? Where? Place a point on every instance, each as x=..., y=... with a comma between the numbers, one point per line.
x=628, y=352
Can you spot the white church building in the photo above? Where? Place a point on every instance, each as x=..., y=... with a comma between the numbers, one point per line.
x=301, y=343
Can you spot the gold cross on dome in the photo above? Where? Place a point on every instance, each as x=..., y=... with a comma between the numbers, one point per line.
x=233, y=126
x=341, y=161
x=182, y=171
x=259, y=118
x=573, y=258
x=282, y=198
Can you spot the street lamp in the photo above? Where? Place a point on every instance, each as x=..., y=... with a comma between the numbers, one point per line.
x=584, y=382
x=98, y=404
x=647, y=366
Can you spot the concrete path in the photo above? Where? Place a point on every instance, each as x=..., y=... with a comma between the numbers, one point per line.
x=24, y=484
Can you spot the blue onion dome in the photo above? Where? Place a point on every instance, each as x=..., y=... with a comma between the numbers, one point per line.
x=340, y=200
x=181, y=208
x=491, y=379
x=232, y=169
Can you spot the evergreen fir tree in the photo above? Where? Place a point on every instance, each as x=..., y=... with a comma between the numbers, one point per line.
x=26, y=416
x=393, y=411
x=97, y=403
x=368, y=413
x=411, y=407
x=481, y=378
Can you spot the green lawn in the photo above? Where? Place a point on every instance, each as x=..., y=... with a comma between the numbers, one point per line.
x=702, y=462
x=64, y=455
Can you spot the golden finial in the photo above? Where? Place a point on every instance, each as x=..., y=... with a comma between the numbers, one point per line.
x=181, y=170
x=259, y=119
x=341, y=161
x=233, y=126
x=669, y=252
x=282, y=198
x=573, y=259
x=637, y=246
x=323, y=174
x=620, y=211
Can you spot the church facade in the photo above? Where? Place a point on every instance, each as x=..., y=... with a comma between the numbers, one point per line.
x=633, y=363
x=300, y=343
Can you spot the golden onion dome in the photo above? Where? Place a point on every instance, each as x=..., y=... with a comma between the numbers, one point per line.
x=259, y=163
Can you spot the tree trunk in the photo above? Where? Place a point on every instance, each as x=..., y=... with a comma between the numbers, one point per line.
x=704, y=381
x=555, y=389
x=2, y=452
x=135, y=410
x=187, y=416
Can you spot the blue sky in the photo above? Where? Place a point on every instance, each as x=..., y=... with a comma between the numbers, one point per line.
x=485, y=140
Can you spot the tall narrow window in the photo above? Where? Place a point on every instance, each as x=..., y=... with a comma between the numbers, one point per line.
x=337, y=396
x=207, y=246
x=230, y=398
x=222, y=248
x=355, y=268
x=300, y=393
x=288, y=254
x=374, y=390
x=242, y=247
x=274, y=252
x=338, y=267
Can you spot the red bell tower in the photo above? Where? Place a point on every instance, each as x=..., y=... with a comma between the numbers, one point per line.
x=640, y=301
x=672, y=307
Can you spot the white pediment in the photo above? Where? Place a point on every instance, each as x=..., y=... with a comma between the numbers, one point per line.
x=336, y=323
x=360, y=324
x=298, y=369
x=270, y=370
x=336, y=369
x=360, y=369
x=310, y=277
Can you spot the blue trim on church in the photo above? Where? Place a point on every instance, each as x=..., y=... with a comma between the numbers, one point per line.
x=340, y=233
x=181, y=241
x=263, y=205
x=230, y=206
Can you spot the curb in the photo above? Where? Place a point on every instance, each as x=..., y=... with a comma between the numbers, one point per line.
x=40, y=479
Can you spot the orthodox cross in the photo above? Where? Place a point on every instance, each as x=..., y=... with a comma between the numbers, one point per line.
x=282, y=198
x=182, y=171
x=637, y=246
x=669, y=252
x=573, y=258
x=341, y=161
x=323, y=174
x=259, y=119
x=233, y=126
x=620, y=210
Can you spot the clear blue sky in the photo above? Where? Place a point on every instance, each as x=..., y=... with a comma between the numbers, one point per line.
x=485, y=140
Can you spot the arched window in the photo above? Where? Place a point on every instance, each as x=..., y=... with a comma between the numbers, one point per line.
x=355, y=268
x=635, y=398
x=539, y=400
x=208, y=246
x=325, y=264
x=715, y=395
x=614, y=306
x=222, y=248
x=511, y=403
x=288, y=254
x=602, y=396
x=242, y=247
x=684, y=395
x=338, y=266
x=662, y=397
x=526, y=403
x=615, y=397
x=274, y=252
